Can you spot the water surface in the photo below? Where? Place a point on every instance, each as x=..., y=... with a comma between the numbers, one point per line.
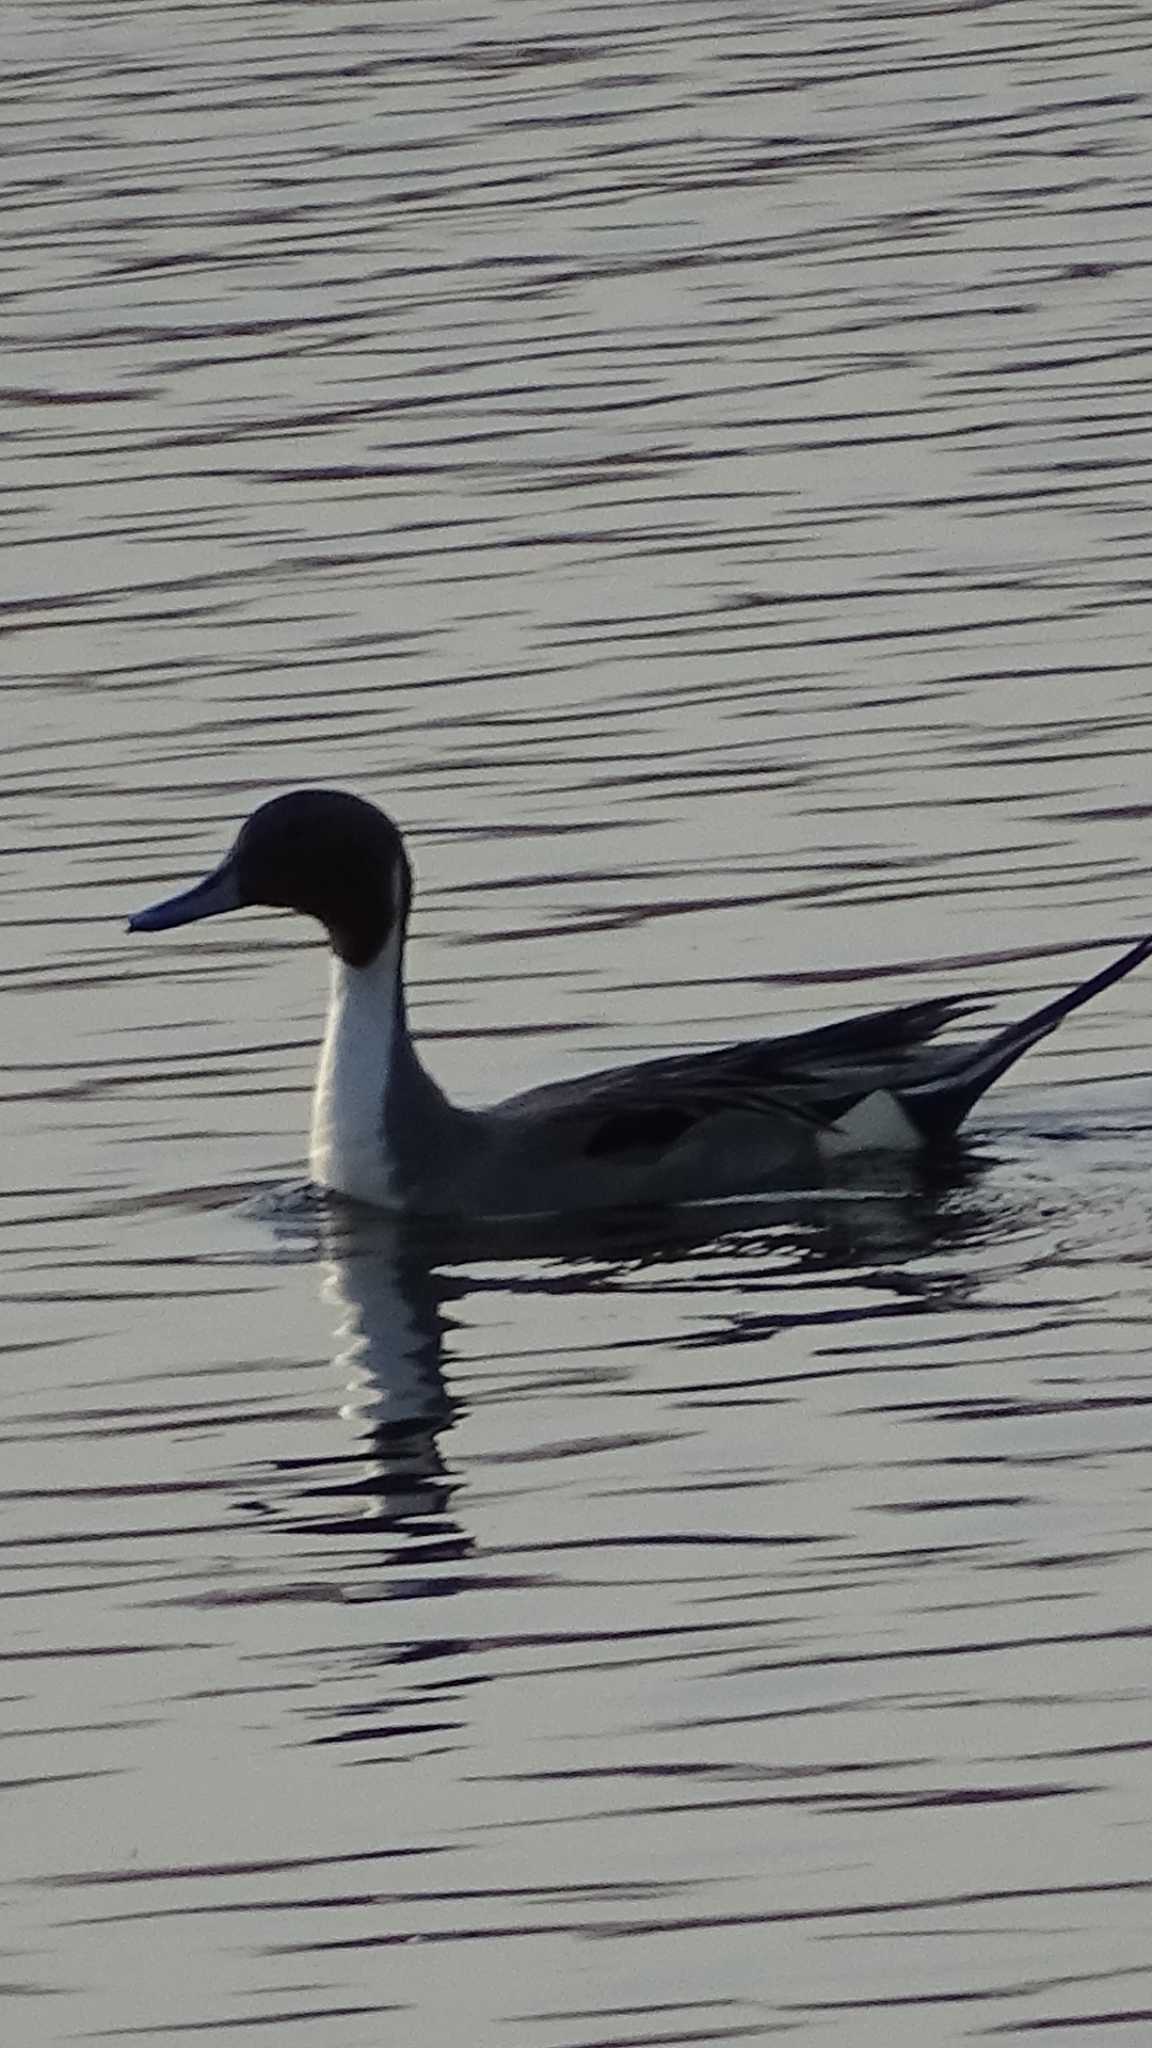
x=692, y=467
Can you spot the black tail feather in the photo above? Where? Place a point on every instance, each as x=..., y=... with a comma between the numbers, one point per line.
x=939, y=1105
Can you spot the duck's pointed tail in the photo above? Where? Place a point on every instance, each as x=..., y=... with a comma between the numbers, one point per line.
x=939, y=1105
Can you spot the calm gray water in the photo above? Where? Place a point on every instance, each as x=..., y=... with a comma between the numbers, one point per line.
x=691, y=463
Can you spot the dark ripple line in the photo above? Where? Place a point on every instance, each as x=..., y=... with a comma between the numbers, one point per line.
x=710, y=1922
x=264, y=1866
x=1077, y=2020
x=984, y=1995
x=1137, y=1632
x=537, y=1894
x=234, y=2020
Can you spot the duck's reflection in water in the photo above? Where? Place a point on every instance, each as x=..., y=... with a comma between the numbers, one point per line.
x=393, y=1284
x=389, y=1295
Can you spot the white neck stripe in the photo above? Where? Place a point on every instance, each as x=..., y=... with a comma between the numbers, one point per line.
x=349, y=1150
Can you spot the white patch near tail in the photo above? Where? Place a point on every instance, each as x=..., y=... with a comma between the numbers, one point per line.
x=876, y=1123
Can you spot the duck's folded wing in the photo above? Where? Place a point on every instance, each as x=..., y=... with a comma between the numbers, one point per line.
x=808, y=1081
x=805, y=1080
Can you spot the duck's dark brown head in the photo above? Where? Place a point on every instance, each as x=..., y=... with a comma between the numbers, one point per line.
x=323, y=852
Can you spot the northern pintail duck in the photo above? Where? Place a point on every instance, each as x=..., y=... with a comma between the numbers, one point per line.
x=695, y=1127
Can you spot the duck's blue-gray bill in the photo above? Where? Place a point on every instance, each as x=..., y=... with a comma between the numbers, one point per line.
x=216, y=893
